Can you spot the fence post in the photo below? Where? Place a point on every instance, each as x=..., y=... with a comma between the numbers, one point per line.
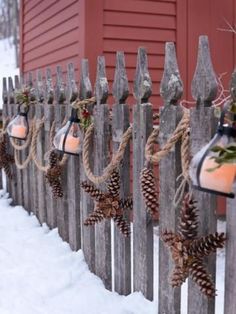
x=86, y=203
x=49, y=113
x=73, y=174
x=230, y=274
x=202, y=127
x=11, y=112
x=5, y=114
x=120, y=123
x=39, y=113
x=60, y=113
x=101, y=157
x=142, y=223
x=171, y=91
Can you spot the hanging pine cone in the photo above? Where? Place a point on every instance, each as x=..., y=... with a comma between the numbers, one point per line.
x=149, y=192
x=94, y=217
x=92, y=191
x=53, y=175
x=188, y=223
x=169, y=237
x=114, y=184
x=123, y=225
x=200, y=276
x=5, y=158
x=206, y=245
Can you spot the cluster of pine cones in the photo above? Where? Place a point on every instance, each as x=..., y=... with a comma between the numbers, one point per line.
x=188, y=251
x=109, y=205
x=5, y=158
x=53, y=175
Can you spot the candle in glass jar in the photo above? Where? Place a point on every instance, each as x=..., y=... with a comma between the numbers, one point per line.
x=19, y=131
x=220, y=179
x=71, y=144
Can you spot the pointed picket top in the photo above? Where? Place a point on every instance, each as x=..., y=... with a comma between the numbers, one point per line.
x=120, y=87
x=233, y=86
x=85, y=83
x=39, y=86
x=101, y=85
x=142, y=81
x=171, y=87
x=72, y=89
x=49, y=87
x=204, y=85
x=60, y=86
x=4, y=91
x=11, y=95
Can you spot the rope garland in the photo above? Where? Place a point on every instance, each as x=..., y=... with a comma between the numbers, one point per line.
x=115, y=161
x=77, y=104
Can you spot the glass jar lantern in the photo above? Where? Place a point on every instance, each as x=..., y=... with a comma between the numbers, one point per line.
x=18, y=127
x=69, y=139
x=206, y=174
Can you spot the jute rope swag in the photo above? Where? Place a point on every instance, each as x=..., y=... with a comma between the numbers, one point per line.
x=150, y=194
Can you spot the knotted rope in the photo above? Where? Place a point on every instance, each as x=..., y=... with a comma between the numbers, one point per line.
x=178, y=133
x=77, y=104
x=115, y=161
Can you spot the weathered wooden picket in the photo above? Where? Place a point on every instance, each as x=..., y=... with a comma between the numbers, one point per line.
x=29, y=189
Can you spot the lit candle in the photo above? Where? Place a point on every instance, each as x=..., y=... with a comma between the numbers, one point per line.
x=71, y=144
x=220, y=179
x=19, y=131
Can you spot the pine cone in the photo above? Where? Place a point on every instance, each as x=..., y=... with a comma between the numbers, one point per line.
x=53, y=175
x=92, y=191
x=149, y=192
x=169, y=237
x=5, y=158
x=95, y=217
x=200, y=276
x=57, y=190
x=127, y=204
x=53, y=159
x=178, y=276
x=114, y=184
x=206, y=245
x=123, y=225
x=188, y=223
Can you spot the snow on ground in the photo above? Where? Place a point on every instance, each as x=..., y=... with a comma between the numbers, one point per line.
x=40, y=274
x=7, y=63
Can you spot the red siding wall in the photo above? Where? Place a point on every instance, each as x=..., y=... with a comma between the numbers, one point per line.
x=49, y=33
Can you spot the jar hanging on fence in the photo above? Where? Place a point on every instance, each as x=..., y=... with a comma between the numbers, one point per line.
x=69, y=139
x=18, y=127
x=213, y=168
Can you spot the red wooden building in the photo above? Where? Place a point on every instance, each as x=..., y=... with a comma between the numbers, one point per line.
x=61, y=31
x=58, y=31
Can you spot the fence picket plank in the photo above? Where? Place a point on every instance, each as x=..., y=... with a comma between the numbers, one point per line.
x=60, y=113
x=171, y=91
x=49, y=113
x=73, y=174
x=230, y=274
x=120, y=123
x=39, y=113
x=88, y=233
x=101, y=155
x=203, y=126
x=142, y=223
x=5, y=115
x=15, y=181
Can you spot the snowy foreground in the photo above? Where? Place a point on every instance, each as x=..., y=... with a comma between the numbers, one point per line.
x=39, y=273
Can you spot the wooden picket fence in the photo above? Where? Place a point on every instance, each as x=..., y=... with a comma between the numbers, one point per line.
x=101, y=242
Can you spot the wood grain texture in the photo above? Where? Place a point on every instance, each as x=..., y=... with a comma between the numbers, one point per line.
x=101, y=157
x=73, y=175
x=142, y=223
x=120, y=123
x=86, y=203
x=171, y=90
